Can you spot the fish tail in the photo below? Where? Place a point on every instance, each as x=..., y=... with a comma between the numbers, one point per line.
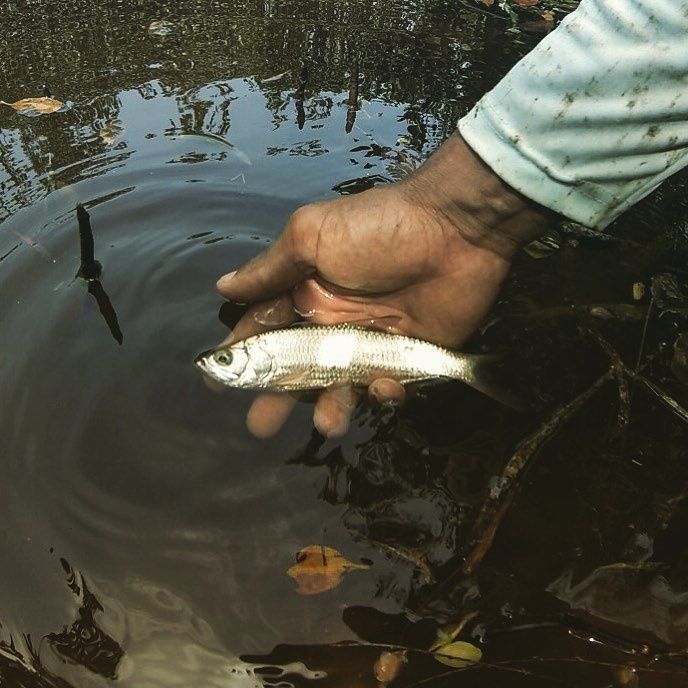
x=485, y=372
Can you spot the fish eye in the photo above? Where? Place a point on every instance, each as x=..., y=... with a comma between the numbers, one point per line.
x=224, y=357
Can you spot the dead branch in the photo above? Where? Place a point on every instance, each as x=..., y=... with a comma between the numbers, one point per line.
x=501, y=497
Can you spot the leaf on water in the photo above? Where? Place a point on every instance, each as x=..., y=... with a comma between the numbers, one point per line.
x=36, y=106
x=319, y=568
x=160, y=27
x=458, y=654
x=389, y=665
x=110, y=132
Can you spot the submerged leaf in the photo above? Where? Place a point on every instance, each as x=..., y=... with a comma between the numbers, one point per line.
x=35, y=106
x=319, y=569
x=458, y=654
x=389, y=665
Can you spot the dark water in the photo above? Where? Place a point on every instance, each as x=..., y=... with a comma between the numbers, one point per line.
x=146, y=535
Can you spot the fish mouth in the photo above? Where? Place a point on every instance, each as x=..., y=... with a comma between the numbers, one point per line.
x=201, y=361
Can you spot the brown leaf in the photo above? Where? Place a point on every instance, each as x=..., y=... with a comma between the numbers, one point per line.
x=319, y=568
x=389, y=665
x=489, y=3
x=37, y=106
x=526, y=3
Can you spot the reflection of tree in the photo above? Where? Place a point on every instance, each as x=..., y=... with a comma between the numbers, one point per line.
x=409, y=53
x=83, y=643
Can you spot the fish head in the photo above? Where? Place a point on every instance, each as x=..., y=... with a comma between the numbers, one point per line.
x=238, y=365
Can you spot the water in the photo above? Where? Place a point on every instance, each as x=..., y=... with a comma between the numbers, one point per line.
x=145, y=534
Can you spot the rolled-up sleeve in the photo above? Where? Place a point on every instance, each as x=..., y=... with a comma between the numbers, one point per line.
x=596, y=116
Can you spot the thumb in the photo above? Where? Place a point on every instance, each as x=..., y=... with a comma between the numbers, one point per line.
x=286, y=263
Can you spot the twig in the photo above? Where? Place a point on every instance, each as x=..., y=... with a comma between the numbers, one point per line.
x=642, y=337
x=501, y=497
x=669, y=401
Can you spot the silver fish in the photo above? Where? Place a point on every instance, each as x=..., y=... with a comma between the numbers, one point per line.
x=316, y=357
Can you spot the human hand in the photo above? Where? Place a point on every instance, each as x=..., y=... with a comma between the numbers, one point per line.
x=424, y=257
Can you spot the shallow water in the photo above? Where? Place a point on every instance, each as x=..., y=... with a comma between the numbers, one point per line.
x=145, y=533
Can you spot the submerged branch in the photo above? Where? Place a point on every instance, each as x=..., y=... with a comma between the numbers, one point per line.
x=501, y=497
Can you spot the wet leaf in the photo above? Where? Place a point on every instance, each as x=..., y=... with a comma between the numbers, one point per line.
x=389, y=665
x=319, y=569
x=448, y=634
x=548, y=15
x=458, y=654
x=36, y=106
x=526, y=3
x=489, y=3
x=638, y=291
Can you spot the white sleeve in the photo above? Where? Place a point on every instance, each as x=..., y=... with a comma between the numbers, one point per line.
x=596, y=116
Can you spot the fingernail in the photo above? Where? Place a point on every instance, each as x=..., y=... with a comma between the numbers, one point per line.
x=225, y=279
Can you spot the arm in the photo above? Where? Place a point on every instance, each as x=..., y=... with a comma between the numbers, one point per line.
x=588, y=123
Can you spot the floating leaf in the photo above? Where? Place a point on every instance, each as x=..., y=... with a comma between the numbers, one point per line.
x=458, y=654
x=36, y=106
x=160, y=27
x=319, y=569
x=389, y=665
x=110, y=132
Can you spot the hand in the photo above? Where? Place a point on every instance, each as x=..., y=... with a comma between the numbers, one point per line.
x=423, y=257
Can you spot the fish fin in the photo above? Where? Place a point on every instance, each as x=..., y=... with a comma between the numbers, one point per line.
x=293, y=381
x=485, y=377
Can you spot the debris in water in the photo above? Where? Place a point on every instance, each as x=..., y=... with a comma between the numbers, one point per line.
x=389, y=665
x=33, y=107
x=319, y=568
x=110, y=132
x=160, y=28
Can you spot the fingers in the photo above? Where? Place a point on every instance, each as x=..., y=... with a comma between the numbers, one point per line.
x=333, y=410
x=261, y=317
x=387, y=391
x=288, y=261
x=268, y=413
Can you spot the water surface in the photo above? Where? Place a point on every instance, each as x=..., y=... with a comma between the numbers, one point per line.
x=145, y=534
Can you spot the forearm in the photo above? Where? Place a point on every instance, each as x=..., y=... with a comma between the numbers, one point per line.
x=596, y=116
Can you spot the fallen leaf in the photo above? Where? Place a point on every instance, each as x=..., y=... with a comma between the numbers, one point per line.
x=35, y=106
x=548, y=15
x=389, y=665
x=458, y=654
x=160, y=27
x=448, y=634
x=319, y=569
x=638, y=291
x=526, y=3
x=489, y=3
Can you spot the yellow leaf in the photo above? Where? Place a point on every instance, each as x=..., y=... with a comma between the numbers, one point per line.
x=319, y=568
x=35, y=106
x=638, y=291
x=458, y=654
x=548, y=15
